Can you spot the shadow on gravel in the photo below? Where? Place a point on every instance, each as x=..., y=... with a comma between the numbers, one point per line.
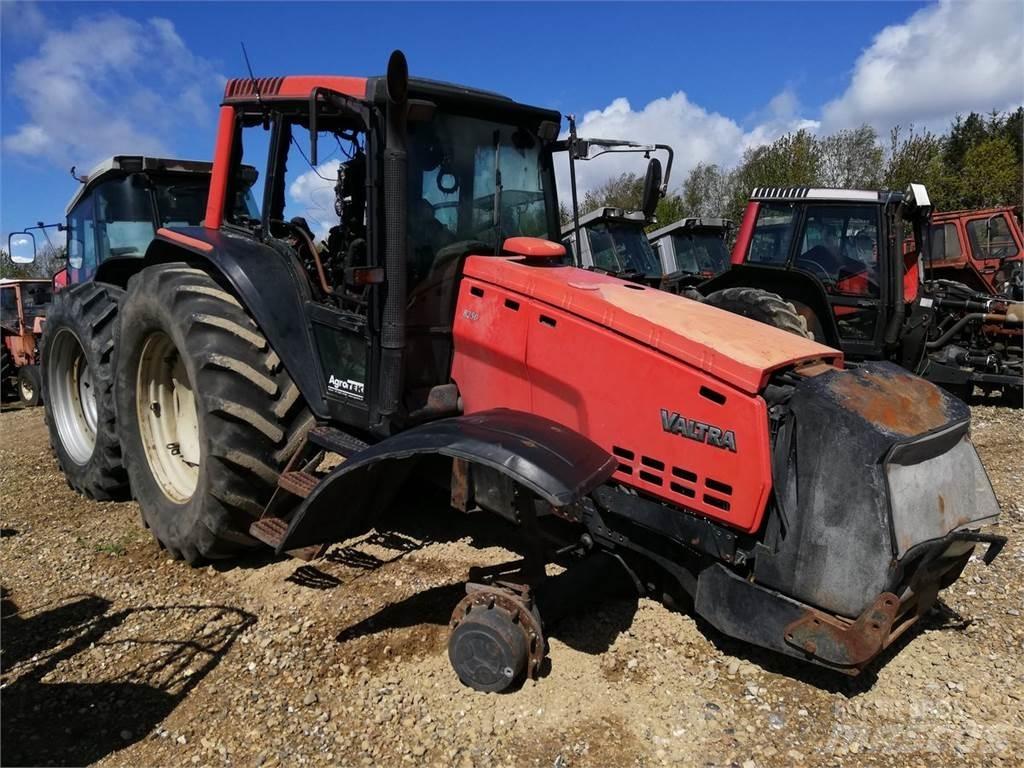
x=120, y=673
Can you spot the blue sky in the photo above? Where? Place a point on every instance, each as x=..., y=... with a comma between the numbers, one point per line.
x=85, y=80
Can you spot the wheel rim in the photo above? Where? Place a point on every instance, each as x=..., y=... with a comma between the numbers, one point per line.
x=72, y=398
x=26, y=390
x=168, y=423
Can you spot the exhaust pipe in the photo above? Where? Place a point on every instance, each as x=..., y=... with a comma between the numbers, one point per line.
x=395, y=171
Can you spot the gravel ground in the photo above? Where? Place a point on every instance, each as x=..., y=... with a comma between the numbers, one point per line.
x=116, y=655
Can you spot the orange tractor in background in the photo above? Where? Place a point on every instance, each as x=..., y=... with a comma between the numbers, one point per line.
x=23, y=305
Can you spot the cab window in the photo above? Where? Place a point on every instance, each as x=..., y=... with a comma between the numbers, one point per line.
x=82, y=239
x=124, y=217
x=991, y=238
x=840, y=248
x=773, y=234
x=945, y=243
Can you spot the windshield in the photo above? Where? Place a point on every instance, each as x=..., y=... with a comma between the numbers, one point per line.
x=452, y=182
x=619, y=247
x=700, y=253
x=35, y=298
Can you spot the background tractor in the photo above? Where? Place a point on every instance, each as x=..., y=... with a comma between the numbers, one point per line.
x=696, y=248
x=23, y=307
x=439, y=335
x=982, y=249
x=839, y=258
x=111, y=220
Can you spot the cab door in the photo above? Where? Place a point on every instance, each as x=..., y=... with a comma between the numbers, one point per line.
x=840, y=244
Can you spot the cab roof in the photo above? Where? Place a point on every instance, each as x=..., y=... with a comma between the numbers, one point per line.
x=123, y=164
x=824, y=193
x=606, y=213
x=690, y=222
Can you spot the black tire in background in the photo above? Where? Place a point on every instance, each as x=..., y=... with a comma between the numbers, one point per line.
x=763, y=306
x=8, y=390
x=208, y=416
x=77, y=378
x=29, y=386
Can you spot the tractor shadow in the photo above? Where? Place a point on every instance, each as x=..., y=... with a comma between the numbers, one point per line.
x=121, y=673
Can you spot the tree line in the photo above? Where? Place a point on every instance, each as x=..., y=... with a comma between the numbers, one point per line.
x=977, y=163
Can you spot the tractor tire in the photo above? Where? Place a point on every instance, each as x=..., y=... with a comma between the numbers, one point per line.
x=8, y=390
x=208, y=414
x=763, y=306
x=29, y=386
x=78, y=389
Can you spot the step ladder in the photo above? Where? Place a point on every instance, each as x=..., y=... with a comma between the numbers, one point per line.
x=298, y=482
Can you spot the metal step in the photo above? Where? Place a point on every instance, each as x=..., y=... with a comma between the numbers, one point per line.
x=298, y=483
x=269, y=530
x=336, y=441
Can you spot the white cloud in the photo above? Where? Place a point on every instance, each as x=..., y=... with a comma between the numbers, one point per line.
x=109, y=84
x=311, y=195
x=949, y=58
x=695, y=134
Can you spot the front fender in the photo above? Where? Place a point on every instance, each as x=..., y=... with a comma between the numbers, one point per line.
x=557, y=464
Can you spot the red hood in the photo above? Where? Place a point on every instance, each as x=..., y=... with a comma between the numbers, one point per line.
x=732, y=348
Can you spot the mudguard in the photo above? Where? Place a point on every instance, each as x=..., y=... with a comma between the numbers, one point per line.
x=557, y=464
x=791, y=284
x=271, y=286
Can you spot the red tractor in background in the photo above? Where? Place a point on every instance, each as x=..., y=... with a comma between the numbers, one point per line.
x=439, y=335
x=23, y=306
x=857, y=267
x=982, y=249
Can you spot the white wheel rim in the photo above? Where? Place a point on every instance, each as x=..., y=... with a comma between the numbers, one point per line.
x=26, y=390
x=168, y=423
x=72, y=396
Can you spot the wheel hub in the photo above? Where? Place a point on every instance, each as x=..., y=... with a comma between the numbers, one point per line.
x=168, y=421
x=72, y=396
x=496, y=637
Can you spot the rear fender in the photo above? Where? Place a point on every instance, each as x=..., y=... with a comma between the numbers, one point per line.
x=556, y=464
x=269, y=284
x=794, y=285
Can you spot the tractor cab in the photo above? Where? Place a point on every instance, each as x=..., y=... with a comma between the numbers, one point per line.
x=115, y=213
x=857, y=265
x=613, y=241
x=983, y=249
x=695, y=248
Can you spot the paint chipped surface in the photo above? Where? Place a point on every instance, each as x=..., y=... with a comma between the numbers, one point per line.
x=897, y=401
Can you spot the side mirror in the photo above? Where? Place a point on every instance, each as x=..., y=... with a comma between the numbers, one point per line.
x=22, y=247
x=652, y=188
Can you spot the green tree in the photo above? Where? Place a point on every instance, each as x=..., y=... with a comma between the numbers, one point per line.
x=793, y=160
x=707, y=191
x=623, y=191
x=919, y=157
x=991, y=175
x=851, y=159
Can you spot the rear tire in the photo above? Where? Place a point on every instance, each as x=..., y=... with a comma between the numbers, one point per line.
x=78, y=389
x=29, y=385
x=763, y=306
x=208, y=415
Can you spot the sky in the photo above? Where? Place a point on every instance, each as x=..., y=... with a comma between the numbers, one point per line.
x=81, y=81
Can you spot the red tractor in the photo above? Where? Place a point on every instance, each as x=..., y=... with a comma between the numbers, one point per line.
x=840, y=260
x=805, y=508
x=23, y=305
x=982, y=249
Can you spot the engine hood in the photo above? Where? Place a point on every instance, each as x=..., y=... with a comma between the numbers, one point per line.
x=732, y=348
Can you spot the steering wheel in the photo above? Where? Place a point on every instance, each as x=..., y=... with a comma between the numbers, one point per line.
x=812, y=266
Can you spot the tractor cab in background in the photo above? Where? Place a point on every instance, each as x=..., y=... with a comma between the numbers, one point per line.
x=696, y=249
x=982, y=249
x=613, y=241
x=838, y=256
